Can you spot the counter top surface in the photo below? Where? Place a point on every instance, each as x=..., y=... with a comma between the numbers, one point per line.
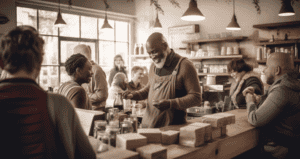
x=240, y=137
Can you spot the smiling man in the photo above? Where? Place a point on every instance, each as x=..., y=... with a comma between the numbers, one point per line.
x=79, y=69
x=172, y=88
x=278, y=113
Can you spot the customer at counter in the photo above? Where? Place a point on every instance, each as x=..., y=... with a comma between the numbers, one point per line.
x=244, y=77
x=119, y=85
x=97, y=88
x=79, y=69
x=118, y=67
x=37, y=124
x=172, y=88
x=278, y=111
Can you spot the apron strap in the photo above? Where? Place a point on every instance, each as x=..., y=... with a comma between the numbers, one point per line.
x=174, y=73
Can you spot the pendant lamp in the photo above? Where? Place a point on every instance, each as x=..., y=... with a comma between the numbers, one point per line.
x=106, y=24
x=3, y=19
x=193, y=13
x=59, y=20
x=233, y=25
x=157, y=24
x=286, y=9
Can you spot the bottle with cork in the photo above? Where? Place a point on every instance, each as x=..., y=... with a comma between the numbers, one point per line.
x=141, y=49
x=136, y=52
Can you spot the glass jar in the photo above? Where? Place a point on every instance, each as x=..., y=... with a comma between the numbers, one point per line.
x=112, y=132
x=99, y=126
x=104, y=141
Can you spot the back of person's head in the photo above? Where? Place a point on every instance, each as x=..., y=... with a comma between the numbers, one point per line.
x=119, y=80
x=282, y=60
x=84, y=50
x=135, y=69
x=22, y=49
x=73, y=62
x=238, y=65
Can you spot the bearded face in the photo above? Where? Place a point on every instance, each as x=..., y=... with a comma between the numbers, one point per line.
x=158, y=54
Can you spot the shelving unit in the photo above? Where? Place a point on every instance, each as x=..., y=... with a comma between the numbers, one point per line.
x=278, y=42
x=217, y=74
x=264, y=61
x=277, y=25
x=227, y=39
x=215, y=57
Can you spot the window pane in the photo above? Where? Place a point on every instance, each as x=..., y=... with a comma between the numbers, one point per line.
x=121, y=31
x=122, y=49
x=51, y=50
x=64, y=77
x=106, y=53
x=72, y=27
x=66, y=50
x=88, y=27
x=27, y=16
x=106, y=34
x=46, y=22
x=49, y=77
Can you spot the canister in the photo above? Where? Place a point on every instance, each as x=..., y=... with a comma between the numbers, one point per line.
x=223, y=51
x=258, y=53
x=229, y=50
x=236, y=50
x=211, y=80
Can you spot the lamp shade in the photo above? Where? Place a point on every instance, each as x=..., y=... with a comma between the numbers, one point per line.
x=233, y=25
x=286, y=9
x=157, y=24
x=3, y=19
x=59, y=20
x=193, y=13
x=106, y=24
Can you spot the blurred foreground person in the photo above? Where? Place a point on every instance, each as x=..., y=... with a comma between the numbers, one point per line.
x=97, y=88
x=37, y=124
x=80, y=70
x=277, y=114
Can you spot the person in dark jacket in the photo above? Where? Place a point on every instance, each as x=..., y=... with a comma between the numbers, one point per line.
x=37, y=124
x=277, y=114
x=244, y=77
x=118, y=67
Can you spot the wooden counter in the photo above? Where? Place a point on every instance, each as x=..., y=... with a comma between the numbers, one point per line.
x=240, y=138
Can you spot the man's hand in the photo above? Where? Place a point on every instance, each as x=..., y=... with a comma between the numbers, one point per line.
x=249, y=89
x=250, y=98
x=127, y=95
x=162, y=104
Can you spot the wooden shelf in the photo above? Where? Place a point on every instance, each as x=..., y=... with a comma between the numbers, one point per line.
x=264, y=61
x=139, y=56
x=217, y=74
x=279, y=42
x=238, y=38
x=277, y=25
x=216, y=57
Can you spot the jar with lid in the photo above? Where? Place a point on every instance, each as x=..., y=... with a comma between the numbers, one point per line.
x=104, y=141
x=125, y=128
x=99, y=126
x=112, y=133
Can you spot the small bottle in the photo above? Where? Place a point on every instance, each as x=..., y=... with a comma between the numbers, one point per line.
x=188, y=49
x=296, y=52
x=137, y=49
x=125, y=128
x=135, y=123
x=118, y=102
x=142, y=49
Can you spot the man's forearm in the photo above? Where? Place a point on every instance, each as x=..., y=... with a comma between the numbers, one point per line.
x=190, y=100
x=141, y=94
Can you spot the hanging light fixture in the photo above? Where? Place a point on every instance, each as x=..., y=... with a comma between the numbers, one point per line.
x=59, y=20
x=157, y=24
x=233, y=25
x=106, y=24
x=286, y=9
x=3, y=19
x=193, y=13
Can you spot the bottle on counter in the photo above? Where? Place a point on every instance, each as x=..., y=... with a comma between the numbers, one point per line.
x=118, y=102
x=141, y=49
x=137, y=49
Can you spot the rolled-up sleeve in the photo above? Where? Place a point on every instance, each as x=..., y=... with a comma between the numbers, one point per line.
x=269, y=109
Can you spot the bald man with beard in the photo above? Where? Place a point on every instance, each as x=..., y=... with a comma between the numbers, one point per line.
x=277, y=114
x=172, y=88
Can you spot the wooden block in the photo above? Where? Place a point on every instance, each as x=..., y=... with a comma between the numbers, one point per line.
x=191, y=136
x=223, y=130
x=117, y=153
x=216, y=133
x=153, y=134
x=130, y=141
x=208, y=130
x=152, y=151
x=214, y=120
x=169, y=137
x=230, y=118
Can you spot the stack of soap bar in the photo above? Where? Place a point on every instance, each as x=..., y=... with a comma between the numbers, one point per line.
x=229, y=118
x=117, y=153
x=223, y=130
x=191, y=136
x=152, y=151
x=208, y=130
x=153, y=134
x=216, y=132
x=169, y=137
x=214, y=120
x=130, y=141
